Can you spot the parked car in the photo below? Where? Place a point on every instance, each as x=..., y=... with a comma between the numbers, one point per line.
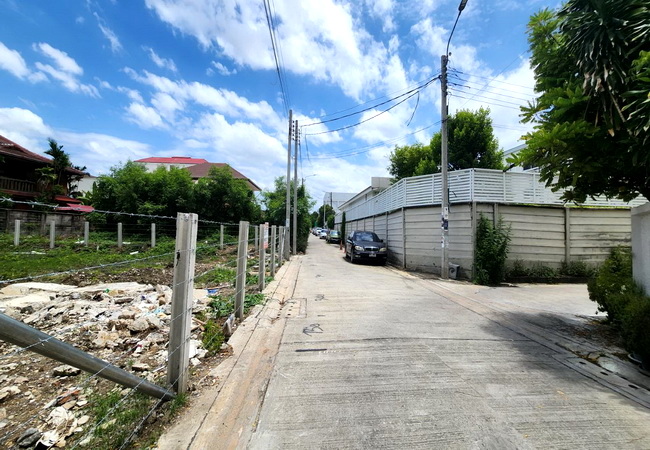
x=365, y=246
x=334, y=237
x=323, y=234
x=317, y=231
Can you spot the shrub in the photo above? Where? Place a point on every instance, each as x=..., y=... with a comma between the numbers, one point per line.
x=578, y=269
x=613, y=286
x=491, y=251
x=635, y=325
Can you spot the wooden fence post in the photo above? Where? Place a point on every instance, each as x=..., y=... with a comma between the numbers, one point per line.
x=182, y=300
x=242, y=258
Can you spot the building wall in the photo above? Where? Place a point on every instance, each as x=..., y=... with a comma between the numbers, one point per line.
x=545, y=235
x=641, y=246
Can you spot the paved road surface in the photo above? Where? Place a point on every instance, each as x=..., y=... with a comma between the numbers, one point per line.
x=376, y=358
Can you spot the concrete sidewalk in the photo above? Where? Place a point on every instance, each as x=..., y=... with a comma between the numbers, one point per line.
x=372, y=357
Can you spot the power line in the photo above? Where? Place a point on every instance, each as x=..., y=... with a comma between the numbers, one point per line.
x=492, y=79
x=365, y=120
x=473, y=98
x=274, y=45
x=459, y=88
x=415, y=89
x=468, y=83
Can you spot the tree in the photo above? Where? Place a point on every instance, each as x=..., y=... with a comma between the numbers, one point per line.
x=592, y=118
x=275, y=209
x=131, y=189
x=325, y=212
x=61, y=167
x=471, y=144
x=222, y=197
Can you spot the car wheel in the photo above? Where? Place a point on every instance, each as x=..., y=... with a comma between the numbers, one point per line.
x=352, y=257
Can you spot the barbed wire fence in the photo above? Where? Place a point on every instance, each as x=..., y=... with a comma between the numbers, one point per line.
x=145, y=340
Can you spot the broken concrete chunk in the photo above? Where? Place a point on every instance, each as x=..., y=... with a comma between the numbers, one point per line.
x=121, y=300
x=140, y=367
x=8, y=392
x=66, y=371
x=49, y=439
x=138, y=325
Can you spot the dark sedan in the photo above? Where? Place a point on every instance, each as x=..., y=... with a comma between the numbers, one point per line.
x=365, y=246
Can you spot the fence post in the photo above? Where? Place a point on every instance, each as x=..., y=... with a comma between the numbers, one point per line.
x=242, y=257
x=281, y=239
x=16, y=232
x=153, y=235
x=221, y=236
x=257, y=235
x=119, y=235
x=182, y=300
x=52, y=233
x=86, y=233
x=273, y=249
x=262, y=253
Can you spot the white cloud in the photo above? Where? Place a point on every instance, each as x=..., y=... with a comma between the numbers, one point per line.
x=383, y=10
x=223, y=70
x=61, y=60
x=24, y=128
x=318, y=38
x=116, y=45
x=96, y=151
x=66, y=71
x=145, y=116
x=13, y=62
x=163, y=63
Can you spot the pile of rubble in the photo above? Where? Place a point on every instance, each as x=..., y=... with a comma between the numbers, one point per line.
x=127, y=324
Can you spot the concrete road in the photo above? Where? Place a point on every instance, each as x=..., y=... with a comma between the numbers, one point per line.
x=376, y=358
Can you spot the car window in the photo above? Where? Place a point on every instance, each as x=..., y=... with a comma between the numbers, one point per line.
x=366, y=236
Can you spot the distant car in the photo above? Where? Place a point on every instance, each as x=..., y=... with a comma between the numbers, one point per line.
x=317, y=231
x=334, y=237
x=323, y=234
x=365, y=246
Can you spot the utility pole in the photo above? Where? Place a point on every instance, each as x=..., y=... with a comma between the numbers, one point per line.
x=444, y=206
x=295, y=190
x=288, y=205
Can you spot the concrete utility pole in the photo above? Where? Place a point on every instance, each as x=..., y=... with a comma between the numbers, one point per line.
x=295, y=191
x=288, y=205
x=444, y=206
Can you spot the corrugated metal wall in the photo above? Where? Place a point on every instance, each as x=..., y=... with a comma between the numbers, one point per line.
x=540, y=234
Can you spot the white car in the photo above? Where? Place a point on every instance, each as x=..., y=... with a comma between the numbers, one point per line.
x=323, y=234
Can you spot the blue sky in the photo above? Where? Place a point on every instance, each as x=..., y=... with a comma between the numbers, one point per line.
x=113, y=80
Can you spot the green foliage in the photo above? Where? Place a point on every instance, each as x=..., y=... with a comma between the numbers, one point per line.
x=212, y=337
x=217, y=276
x=592, y=118
x=116, y=422
x=275, y=201
x=222, y=306
x=343, y=220
x=625, y=303
x=325, y=213
x=471, y=144
x=131, y=189
x=613, y=287
x=491, y=251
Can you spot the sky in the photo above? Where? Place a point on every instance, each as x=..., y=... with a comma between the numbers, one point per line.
x=119, y=80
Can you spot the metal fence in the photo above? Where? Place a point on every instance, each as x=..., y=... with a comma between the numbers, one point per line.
x=466, y=186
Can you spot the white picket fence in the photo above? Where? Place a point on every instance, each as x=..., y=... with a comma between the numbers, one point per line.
x=468, y=185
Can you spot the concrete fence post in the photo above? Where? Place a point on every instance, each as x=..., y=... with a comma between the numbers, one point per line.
x=281, y=245
x=257, y=236
x=242, y=259
x=86, y=233
x=262, y=253
x=119, y=235
x=52, y=233
x=567, y=235
x=641, y=246
x=16, y=232
x=153, y=235
x=182, y=301
x=221, y=236
x=273, y=248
